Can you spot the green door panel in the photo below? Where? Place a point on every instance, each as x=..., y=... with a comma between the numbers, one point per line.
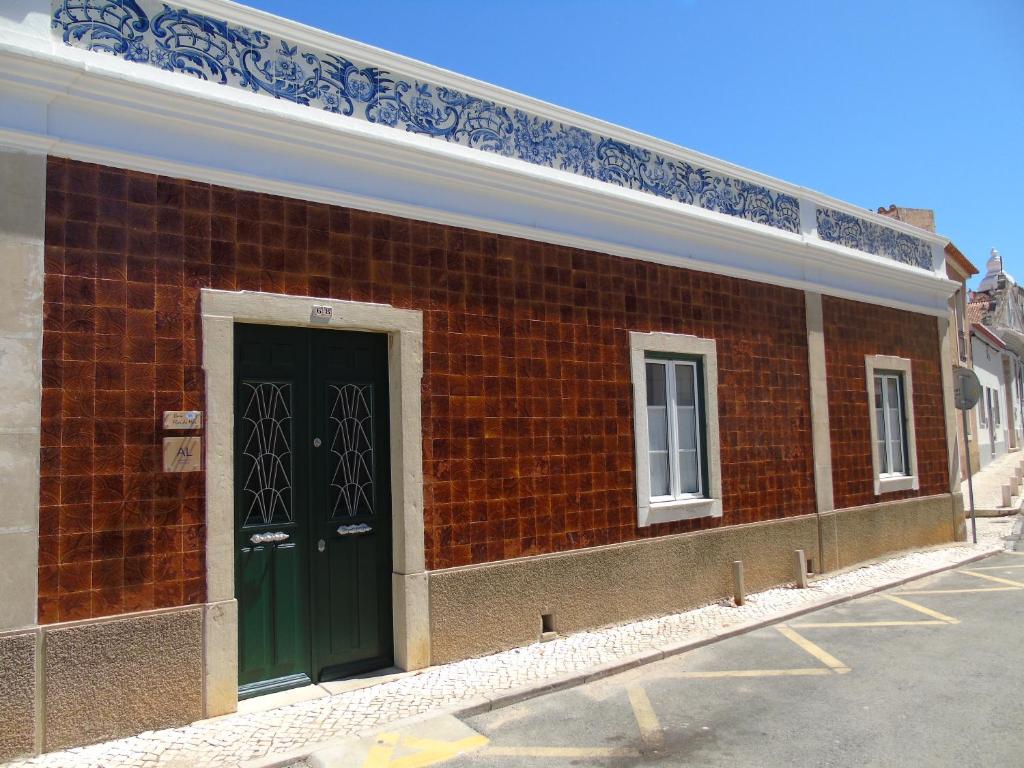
x=271, y=504
x=350, y=504
x=312, y=505
x=273, y=637
x=354, y=586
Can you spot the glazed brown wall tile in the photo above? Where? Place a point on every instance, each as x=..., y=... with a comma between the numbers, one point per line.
x=854, y=330
x=527, y=400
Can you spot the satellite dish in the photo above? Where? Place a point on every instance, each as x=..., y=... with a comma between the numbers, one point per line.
x=966, y=388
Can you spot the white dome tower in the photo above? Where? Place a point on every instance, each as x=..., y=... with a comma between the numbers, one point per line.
x=993, y=269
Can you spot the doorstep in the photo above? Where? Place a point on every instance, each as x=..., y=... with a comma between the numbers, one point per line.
x=318, y=691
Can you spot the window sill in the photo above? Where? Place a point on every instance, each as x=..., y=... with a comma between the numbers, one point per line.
x=686, y=509
x=896, y=483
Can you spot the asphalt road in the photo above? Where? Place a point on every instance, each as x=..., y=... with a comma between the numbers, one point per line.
x=928, y=674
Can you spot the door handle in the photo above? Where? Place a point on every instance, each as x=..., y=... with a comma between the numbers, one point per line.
x=269, y=538
x=350, y=530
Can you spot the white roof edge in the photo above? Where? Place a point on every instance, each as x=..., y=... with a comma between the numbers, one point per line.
x=79, y=80
x=295, y=31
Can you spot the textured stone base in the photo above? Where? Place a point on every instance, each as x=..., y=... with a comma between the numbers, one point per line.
x=17, y=695
x=482, y=609
x=851, y=536
x=110, y=679
x=100, y=680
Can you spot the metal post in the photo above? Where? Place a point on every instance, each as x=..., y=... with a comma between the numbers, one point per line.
x=739, y=588
x=970, y=480
x=800, y=566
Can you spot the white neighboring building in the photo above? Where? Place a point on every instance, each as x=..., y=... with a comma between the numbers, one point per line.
x=995, y=316
x=995, y=437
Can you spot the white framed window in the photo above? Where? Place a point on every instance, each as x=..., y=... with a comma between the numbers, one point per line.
x=982, y=419
x=890, y=420
x=995, y=408
x=675, y=427
x=675, y=382
x=893, y=440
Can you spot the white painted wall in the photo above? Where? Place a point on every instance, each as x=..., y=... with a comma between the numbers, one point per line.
x=988, y=364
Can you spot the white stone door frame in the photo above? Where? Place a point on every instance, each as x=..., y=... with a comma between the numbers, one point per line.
x=404, y=328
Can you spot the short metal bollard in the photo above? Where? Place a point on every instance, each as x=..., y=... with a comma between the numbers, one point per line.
x=739, y=589
x=800, y=563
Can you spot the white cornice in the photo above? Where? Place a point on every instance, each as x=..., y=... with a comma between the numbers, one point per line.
x=101, y=109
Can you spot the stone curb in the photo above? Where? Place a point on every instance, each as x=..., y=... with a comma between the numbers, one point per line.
x=482, y=704
x=1000, y=512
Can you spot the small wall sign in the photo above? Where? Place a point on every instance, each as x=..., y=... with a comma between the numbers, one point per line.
x=183, y=419
x=321, y=312
x=183, y=454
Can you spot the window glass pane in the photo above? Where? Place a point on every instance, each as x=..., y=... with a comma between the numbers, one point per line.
x=657, y=429
x=686, y=426
x=655, y=384
x=880, y=439
x=686, y=421
x=895, y=402
x=684, y=384
x=659, y=474
x=689, y=475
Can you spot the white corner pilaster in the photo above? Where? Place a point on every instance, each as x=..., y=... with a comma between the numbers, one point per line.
x=22, y=226
x=821, y=439
x=948, y=408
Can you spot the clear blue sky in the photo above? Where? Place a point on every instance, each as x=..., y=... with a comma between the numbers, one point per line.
x=913, y=102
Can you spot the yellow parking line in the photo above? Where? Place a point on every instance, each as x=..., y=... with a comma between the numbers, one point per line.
x=922, y=609
x=997, y=579
x=380, y=753
x=995, y=567
x=804, y=672
x=433, y=751
x=859, y=624
x=567, y=752
x=817, y=652
x=646, y=720
x=961, y=591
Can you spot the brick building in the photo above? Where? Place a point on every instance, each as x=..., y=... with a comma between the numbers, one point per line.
x=321, y=359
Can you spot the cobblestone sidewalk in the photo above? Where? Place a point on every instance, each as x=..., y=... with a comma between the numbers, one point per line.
x=234, y=739
x=988, y=484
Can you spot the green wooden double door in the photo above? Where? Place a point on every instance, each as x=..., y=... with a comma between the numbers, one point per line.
x=312, y=505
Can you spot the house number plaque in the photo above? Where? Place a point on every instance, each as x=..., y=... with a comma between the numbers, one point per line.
x=321, y=313
x=183, y=454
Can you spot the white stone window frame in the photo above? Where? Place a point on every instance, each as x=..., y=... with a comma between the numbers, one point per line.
x=892, y=483
x=648, y=512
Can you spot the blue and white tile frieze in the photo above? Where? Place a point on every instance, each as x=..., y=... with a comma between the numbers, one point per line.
x=853, y=232
x=179, y=40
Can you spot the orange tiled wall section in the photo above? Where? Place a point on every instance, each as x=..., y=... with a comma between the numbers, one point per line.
x=527, y=412
x=852, y=331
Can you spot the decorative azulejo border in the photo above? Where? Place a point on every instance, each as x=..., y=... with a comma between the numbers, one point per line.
x=180, y=40
x=845, y=229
